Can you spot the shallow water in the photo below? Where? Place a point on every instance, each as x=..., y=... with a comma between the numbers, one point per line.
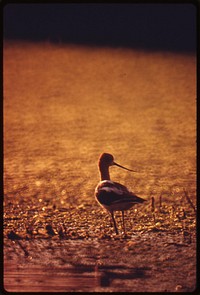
x=117, y=264
x=72, y=278
x=63, y=106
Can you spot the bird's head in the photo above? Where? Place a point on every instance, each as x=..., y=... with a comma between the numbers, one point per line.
x=106, y=160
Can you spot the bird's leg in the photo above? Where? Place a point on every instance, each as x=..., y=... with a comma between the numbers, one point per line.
x=115, y=226
x=123, y=222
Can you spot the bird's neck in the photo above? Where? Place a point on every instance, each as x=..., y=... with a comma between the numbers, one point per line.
x=104, y=171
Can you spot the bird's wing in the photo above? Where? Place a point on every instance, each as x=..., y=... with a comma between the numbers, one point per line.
x=109, y=192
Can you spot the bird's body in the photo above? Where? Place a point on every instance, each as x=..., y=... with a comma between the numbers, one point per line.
x=113, y=196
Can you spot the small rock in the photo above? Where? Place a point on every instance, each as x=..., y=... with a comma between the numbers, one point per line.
x=179, y=288
x=13, y=236
x=50, y=230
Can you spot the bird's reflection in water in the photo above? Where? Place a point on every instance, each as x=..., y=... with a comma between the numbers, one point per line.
x=78, y=277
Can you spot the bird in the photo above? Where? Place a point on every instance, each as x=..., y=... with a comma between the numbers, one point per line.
x=111, y=195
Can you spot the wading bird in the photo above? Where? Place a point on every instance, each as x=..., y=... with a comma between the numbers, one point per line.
x=112, y=195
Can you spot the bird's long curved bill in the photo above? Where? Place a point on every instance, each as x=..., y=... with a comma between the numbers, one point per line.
x=114, y=163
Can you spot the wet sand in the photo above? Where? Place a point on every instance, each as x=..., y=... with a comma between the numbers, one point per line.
x=63, y=106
